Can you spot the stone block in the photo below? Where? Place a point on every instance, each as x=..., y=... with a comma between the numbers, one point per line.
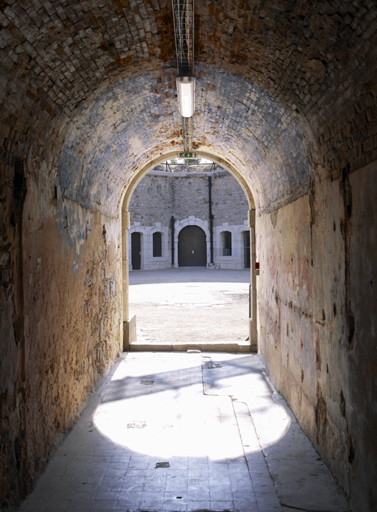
x=129, y=333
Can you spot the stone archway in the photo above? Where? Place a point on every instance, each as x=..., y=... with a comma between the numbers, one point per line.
x=129, y=329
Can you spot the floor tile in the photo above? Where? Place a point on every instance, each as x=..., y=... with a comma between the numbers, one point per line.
x=79, y=505
x=105, y=504
x=128, y=504
x=222, y=505
x=174, y=505
x=187, y=449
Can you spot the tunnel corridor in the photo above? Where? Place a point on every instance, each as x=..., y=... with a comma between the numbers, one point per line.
x=286, y=101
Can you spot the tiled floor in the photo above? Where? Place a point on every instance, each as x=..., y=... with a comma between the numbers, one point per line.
x=186, y=432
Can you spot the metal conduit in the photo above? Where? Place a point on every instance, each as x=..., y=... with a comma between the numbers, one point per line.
x=187, y=133
x=183, y=16
x=211, y=217
x=172, y=220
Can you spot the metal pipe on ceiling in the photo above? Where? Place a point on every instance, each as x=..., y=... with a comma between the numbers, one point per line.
x=183, y=16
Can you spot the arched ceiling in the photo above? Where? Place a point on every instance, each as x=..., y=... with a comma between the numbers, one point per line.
x=131, y=125
x=283, y=86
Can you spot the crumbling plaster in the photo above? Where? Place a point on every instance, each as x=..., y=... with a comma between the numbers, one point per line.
x=70, y=224
x=128, y=126
x=319, y=350
x=296, y=87
x=60, y=322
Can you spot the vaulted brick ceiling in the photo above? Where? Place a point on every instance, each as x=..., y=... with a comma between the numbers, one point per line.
x=88, y=90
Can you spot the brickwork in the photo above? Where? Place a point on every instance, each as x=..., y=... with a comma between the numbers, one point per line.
x=286, y=93
x=158, y=197
x=313, y=57
x=161, y=195
x=313, y=84
x=259, y=146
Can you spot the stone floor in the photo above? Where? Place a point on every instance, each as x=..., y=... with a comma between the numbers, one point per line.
x=186, y=432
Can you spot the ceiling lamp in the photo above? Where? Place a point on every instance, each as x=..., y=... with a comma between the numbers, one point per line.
x=186, y=95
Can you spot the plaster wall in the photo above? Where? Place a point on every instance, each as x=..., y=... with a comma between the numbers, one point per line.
x=60, y=324
x=317, y=332
x=95, y=86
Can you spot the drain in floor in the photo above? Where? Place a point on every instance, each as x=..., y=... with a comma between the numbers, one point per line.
x=162, y=465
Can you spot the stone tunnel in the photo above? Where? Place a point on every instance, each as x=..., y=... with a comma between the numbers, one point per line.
x=286, y=100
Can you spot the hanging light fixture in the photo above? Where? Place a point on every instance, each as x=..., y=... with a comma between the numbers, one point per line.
x=186, y=95
x=183, y=16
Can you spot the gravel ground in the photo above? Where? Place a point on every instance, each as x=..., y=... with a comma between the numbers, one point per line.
x=190, y=304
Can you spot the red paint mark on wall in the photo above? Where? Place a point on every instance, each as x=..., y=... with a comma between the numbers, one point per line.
x=304, y=277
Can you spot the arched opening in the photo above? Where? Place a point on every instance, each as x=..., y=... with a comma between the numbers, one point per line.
x=157, y=244
x=192, y=247
x=227, y=243
x=81, y=121
x=136, y=250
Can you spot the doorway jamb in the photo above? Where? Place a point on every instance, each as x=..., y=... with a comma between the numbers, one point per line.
x=253, y=337
x=129, y=325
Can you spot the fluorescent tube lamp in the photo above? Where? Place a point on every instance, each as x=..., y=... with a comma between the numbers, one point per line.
x=186, y=95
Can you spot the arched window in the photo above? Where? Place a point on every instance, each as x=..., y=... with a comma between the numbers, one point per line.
x=227, y=243
x=157, y=245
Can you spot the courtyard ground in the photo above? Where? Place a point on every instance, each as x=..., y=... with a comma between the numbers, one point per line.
x=190, y=305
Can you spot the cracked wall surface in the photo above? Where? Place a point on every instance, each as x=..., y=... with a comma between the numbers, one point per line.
x=315, y=286
x=287, y=96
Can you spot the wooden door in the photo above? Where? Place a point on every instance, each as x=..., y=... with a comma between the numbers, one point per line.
x=192, y=247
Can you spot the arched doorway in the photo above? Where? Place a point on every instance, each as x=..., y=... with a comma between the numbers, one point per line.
x=192, y=247
x=136, y=251
x=129, y=324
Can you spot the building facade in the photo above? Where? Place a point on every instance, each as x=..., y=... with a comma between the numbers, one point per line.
x=191, y=217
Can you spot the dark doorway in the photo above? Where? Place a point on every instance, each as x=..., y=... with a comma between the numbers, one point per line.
x=246, y=248
x=192, y=247
x=157, y=245
x=136, y=251
x=227, y=243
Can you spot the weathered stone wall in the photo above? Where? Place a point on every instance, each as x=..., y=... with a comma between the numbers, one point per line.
x=316, y=327
x=60, y=324
x=303, y=73
x=283, y=87
x=359, y=192
x=158, y=197
x=186, y=197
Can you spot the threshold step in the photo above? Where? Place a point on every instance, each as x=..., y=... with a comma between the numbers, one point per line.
x=213, y=346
